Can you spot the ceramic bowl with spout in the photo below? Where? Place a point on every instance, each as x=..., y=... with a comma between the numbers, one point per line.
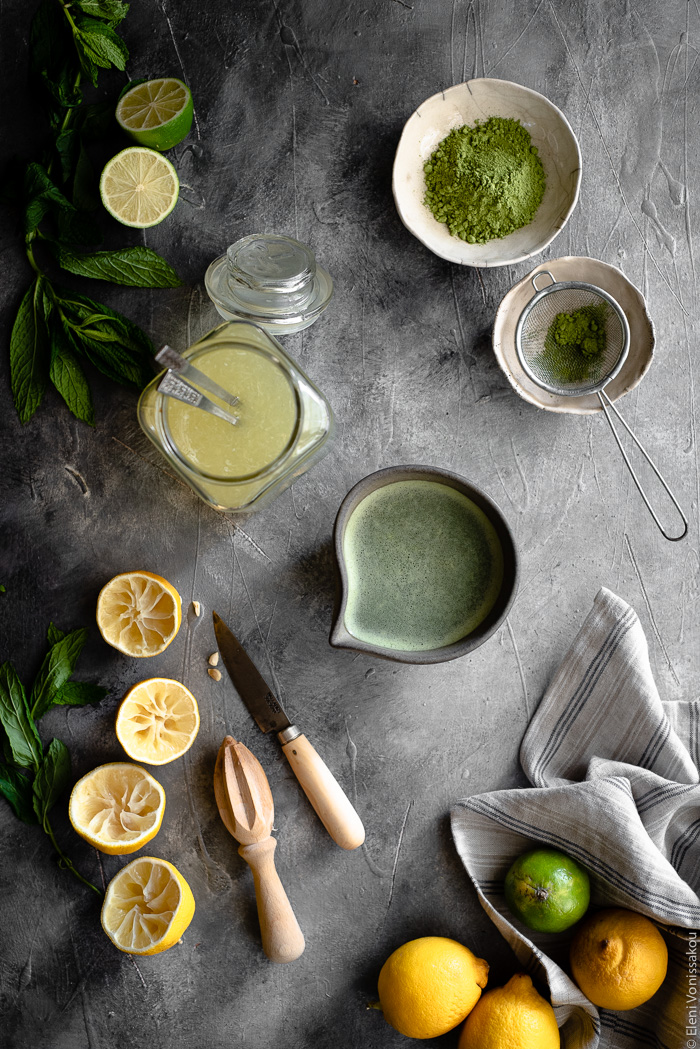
x=341, y=637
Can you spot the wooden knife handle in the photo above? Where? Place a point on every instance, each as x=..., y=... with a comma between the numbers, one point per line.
x=282, y=939
x=325, y=793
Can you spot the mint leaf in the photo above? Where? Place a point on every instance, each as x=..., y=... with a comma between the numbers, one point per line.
x=137, y=267
x=95, y=119
x=78, y=693
x=68, y=377
x=17, y=789
x=50, y=54
x=84, y=183
x=67, y=146
x=53, y=634
x=51, y=779
x=46, y=37
x=41, y=195
x=44, y=198
x=29, y=353
x=22, y=736
x=58, y=665
x=100, y=46
x=115, y=345
x=112, y=10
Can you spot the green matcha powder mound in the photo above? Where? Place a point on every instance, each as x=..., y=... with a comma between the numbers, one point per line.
x=485, y=181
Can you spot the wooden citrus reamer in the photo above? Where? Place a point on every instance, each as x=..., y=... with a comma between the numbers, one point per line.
x=245, y=805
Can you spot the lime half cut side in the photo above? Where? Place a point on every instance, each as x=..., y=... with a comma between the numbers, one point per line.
x=139, y=187
x=157, y=114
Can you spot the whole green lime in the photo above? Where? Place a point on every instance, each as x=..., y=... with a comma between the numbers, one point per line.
x=547, y=890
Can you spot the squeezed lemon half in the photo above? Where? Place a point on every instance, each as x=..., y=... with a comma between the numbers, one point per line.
x=157, y=721
x=118, y=808
x=147, y=907
x=139, y=613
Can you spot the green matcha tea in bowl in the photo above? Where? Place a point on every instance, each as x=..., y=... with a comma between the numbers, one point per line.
x=427, y=566
x=486, y=173
x=236, y=417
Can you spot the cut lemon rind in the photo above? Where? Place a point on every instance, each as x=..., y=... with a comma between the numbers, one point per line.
x=157, y=721
x=117, y=808
x=139, y=613
x=157, y=114
x=147, y=906
x=139, y=187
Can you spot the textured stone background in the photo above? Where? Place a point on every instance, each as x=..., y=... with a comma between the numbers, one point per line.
x=299, y=107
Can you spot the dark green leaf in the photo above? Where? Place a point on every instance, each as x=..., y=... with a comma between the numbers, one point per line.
x=138, y=267
x=84, y=183
x=67, y=147
x=29, y=353
x=45, y=37
x=40, y=194
x=52, y=62
x=18, y=791
x=53, y=634
x=58, y=665
x=68, y=377
x=43, y=198
x=52, y=778
x=112, y=10
x=77, y=227
x=63, y=89
x=78, y=693
x=101, y=45
x=115, y=345
x=95, y=119
x=22, y=736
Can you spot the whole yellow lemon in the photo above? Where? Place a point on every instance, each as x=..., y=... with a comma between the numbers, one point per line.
x=618, y=959
x=429, y=985
x=511, y=1017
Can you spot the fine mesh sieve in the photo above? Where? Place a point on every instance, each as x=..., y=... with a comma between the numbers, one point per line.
x=563, y=370
x=567, y=372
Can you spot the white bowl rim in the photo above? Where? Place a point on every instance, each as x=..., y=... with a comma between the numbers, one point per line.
x=485, y=264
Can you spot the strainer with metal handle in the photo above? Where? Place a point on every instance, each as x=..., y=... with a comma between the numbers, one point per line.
x=565, y=371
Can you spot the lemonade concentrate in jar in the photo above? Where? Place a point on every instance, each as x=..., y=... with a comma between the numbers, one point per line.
x=283, y=421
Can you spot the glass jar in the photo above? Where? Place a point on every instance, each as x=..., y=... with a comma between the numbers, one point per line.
x=284, y=423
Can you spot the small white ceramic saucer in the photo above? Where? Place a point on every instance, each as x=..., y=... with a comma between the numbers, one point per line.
x=610, y=279
x=465, y=104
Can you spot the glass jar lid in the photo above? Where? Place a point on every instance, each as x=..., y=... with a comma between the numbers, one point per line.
x=270, y=279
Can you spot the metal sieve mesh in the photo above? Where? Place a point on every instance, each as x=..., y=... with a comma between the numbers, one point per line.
x=566, y=370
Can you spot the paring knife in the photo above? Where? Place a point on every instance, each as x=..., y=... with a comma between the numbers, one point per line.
x=317, y=781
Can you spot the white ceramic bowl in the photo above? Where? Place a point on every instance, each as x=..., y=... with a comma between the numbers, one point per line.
x=591, y=271
x=464, y=104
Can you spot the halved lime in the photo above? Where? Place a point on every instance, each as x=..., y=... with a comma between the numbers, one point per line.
x=157, y=114
x=139, y=187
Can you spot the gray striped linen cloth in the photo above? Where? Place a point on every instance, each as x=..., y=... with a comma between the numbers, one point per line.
x=616, y=778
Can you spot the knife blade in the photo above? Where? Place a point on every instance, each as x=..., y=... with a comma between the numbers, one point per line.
x=327, y=797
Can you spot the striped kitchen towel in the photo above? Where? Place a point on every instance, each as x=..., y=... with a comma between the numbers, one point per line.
x=616, y=772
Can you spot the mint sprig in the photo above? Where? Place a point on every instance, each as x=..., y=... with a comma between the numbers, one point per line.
x=57, y=332
x=32, y=779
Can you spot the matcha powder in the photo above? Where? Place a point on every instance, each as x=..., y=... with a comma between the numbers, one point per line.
x=485, y=181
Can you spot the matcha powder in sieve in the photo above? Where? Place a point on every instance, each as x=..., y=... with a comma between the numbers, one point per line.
x=485, y=181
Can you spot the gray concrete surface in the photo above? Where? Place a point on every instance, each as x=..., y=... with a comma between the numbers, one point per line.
x=299, y=107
